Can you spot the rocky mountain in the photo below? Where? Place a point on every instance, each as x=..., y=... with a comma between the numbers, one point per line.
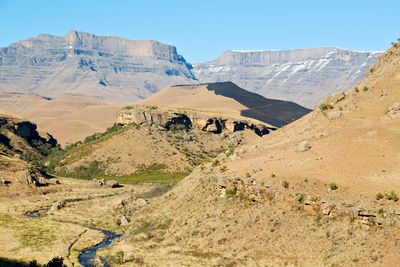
x=305, y=76
x=228, y=100
x=111, y=69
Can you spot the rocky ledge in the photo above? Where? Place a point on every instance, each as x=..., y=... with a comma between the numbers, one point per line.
x=173, y=119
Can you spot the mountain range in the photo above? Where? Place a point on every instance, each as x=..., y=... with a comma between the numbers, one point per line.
x=117, y=70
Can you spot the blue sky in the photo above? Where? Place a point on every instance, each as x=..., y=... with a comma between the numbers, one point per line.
x=203, y=29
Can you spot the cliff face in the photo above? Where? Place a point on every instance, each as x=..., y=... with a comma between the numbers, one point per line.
x=86, y=65
x=305, y=76
x=171, y=120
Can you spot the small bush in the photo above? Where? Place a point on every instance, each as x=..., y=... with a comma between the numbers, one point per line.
x=325, y=106
x=392, y=196
x=223, y=169
x=215, y=163
x=356, y=89
x=333, y=186
x=365, y=89
x=285, y=184
x=248, y=175
x=232, y=192
x=378, y=196
x=299, y=197
x=273, y=175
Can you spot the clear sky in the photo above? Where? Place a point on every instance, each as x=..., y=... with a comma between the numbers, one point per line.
x=202, y=29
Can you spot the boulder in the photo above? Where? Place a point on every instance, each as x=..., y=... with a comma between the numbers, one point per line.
x=393, y=109
x=2, y=181
x=123, y=220
x=58, y=205
x=112, y=183
x=28, y=179
x=336, y=97
x=304, y=146
x=42, y=181
x=212, y=128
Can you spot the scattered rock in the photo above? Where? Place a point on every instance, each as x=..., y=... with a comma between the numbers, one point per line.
x=57, y=181
x=42, y=181
x=3, y=181
x=123, y=220
x=336, y=97
x=112, y=183
x=58, y=205
x=393, y=109
x=28, y=179
x=304, y=146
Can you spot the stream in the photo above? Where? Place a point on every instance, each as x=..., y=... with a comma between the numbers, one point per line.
x=88, y=255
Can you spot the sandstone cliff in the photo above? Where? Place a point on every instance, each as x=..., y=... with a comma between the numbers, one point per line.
x=178, y=119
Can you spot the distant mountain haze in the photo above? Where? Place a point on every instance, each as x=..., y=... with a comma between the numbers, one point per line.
x=117, y=70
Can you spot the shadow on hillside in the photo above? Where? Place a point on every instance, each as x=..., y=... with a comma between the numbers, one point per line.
x=272, y=111
x=12, y=263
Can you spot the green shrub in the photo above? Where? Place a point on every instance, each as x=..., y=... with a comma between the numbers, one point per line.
x=285, y=184
x=299, y=197
x=365, y=89
x=356, y=89
x=325, y=106
x=333, y=186
x=378, y=196
x=215, y=163
x=392, y=196
x=232, y=192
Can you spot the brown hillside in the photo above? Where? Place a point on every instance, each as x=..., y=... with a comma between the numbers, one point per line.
x=228, y=98
x=68, y=119
x=276, y=205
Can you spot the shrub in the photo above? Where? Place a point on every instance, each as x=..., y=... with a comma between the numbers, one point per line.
x=365, y=89
x=223, y=169
x=299, y=197
x=273, y=175
x=232, y=192
x=325, y=106
x=285, y=184
x=248, y=175
x=378, y=196
x=215, y=163
x=392, y=196
x=333, y=186
x=356, y=89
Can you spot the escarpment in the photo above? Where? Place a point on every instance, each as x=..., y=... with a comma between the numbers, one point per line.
x=175, y=119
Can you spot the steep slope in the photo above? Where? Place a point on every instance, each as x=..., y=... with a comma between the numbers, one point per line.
x=21, y=147
x=305, y=76
x=68, y=119
x=100, y=67
x=227, y=98
x=280, y=203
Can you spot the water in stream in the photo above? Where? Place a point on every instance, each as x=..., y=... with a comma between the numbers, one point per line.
x=87, y=256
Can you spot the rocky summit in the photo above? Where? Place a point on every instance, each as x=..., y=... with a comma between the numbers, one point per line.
x=305, y=76
x=80, y=64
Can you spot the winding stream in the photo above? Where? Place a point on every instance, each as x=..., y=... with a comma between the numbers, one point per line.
x=88, y=255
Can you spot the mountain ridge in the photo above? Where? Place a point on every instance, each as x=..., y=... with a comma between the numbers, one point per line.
x=305, y=76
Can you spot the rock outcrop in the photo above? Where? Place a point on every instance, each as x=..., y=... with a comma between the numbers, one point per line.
x=86, y=65
x=177, y=120
x=305, y=76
